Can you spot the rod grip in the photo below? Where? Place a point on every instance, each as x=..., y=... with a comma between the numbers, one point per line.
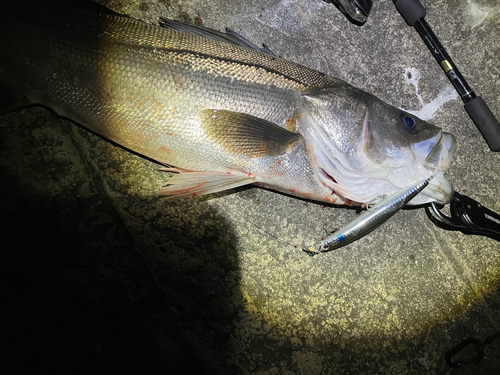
x=485, y=121
x=411, y=10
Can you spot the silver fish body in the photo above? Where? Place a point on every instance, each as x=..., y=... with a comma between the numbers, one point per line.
x=222, y=115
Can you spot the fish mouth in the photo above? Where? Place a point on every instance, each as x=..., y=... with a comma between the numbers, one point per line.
x=438, y=191
x=437, y=161
x=443, y=148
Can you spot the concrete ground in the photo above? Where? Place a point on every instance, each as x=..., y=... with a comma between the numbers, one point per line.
x=99, y=275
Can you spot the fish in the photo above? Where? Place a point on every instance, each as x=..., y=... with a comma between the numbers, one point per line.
x=216, y=111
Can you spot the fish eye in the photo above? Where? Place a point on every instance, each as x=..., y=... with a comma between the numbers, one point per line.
x=408, y=122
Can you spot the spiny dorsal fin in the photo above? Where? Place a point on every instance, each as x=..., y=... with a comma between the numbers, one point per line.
x=240, y=133
x=229, y=36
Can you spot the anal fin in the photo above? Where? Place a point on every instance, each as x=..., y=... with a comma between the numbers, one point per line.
x=195, y=183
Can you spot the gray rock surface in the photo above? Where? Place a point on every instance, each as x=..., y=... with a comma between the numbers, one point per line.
x=100, y=275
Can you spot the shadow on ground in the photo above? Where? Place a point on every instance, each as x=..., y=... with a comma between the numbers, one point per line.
x=82, y=291
x=97, y=275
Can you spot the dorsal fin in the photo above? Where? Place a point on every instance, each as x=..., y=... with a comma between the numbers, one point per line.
x=246, y=43
x=229, y=36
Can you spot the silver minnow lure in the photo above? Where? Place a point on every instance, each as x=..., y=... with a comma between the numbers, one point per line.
x=369, y=220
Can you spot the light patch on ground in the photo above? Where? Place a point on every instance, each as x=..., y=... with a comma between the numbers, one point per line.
x=475, y=14
x=428, y=110
x=287, y=16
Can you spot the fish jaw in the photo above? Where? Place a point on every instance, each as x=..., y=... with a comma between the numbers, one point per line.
x=438, y=191
x=432, y=158
x=436, y=163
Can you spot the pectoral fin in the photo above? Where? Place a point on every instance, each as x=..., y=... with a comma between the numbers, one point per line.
x=240, y=133
x=193, y=183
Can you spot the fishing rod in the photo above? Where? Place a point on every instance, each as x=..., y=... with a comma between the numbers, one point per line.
x=414, y=13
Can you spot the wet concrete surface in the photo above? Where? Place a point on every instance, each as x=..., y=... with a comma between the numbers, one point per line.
x=99, y=275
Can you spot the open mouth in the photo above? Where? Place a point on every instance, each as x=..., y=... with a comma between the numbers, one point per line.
x=439, y=151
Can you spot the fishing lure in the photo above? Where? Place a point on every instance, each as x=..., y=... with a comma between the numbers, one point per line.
x=369, y=220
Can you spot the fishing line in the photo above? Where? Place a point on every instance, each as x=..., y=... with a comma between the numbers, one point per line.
x=258, y=227
x=246, y=220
